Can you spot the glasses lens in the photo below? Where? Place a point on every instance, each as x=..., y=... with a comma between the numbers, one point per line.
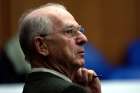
x=82, y=30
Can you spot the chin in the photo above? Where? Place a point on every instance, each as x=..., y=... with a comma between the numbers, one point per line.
x=80, y=63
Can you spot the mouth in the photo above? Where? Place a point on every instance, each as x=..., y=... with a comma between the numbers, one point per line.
x=81, y=53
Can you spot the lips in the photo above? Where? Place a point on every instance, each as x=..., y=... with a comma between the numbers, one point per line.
x=81, y=53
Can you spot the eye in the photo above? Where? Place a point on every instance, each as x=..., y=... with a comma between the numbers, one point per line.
x=71, y=32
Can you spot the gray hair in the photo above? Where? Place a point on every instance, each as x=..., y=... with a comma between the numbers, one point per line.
x=30, y=27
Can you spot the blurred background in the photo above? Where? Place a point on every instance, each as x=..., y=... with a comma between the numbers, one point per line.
x=113, y=50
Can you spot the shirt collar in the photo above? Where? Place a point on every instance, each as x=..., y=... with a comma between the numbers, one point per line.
x=52, y=72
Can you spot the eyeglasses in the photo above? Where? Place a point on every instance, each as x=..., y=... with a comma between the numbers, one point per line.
x=73, y=31
x=70, y=31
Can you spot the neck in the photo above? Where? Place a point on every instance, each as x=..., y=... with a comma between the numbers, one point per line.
x=57, y=67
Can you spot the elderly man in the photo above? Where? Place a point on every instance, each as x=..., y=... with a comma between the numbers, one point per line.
x=52, y=42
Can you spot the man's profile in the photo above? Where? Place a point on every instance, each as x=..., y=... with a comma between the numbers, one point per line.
x=52, y=42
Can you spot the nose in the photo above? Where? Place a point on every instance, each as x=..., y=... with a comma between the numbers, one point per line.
x=81, y=39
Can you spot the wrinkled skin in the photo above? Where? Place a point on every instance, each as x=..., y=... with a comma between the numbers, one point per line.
x=64, y=52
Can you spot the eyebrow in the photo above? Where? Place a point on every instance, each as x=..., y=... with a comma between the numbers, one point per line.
x=71, y=26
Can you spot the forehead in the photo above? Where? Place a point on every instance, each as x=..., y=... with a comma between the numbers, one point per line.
x=58, y=15
x=61, y=15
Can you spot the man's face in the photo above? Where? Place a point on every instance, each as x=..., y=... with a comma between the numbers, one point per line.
x=65, y=44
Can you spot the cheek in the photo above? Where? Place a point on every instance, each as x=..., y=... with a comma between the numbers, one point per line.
x=69, y=51
x=63, y=48
x=70, y=48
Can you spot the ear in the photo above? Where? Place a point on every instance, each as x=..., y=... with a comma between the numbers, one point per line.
x=40, y=45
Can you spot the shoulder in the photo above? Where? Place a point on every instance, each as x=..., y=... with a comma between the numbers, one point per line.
x=48, y=83
x=74, y=89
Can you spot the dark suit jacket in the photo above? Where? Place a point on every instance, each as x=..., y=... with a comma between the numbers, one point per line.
x=44, y=82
